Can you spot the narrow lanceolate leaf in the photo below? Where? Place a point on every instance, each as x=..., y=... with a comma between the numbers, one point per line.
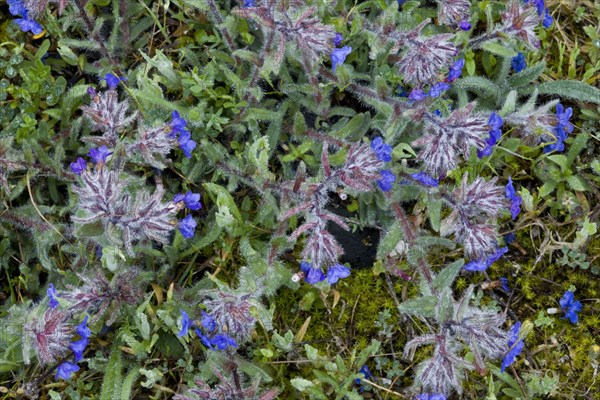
x=421, y=306
x=571, y=89
x=113, y=381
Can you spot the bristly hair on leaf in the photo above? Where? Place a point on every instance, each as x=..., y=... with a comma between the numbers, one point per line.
x=108, y=115
x=452, y=12
x=49, y=336
x=521, y=20
x=449, y=138
x=231, y=313
x=425, y=57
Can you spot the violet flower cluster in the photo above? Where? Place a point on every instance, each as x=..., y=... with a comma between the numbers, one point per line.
x=338, y=55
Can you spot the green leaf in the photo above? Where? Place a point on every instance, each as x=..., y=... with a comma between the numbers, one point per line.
x=546, y=189
x=478, y=84
x=571, y=89
x=576, y=183
x=576, y=148
x=301, y=384
x=421, y=306
x=128, y=383
x=510, y=104
x=113, y=381
x=445, y=278
x=527, y=75
x=435, y=209
x=355, y=128
x=389, y=241
x=497, y=48
x=528, y=200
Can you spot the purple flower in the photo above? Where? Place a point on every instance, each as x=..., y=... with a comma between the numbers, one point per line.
x=248, y=3
x=78, y=166
x=78, y=347
x=338, y=56
x=515, y=346
x=27, y=25
x=312, y=275
x=431, y=396
x=16, y=7
x=563, y=117
x=464, y=25
x=417, y=94
x=485, y=263
x=383, y=150
x=425, y=179
x=456, y=70
x=539, y=5
x=336, y=272
x=186, y=143
x=205, y=339
x=222, y=341
x=515, y=199
x=51, y=292
x=112, y=81
x=191, y=200
x=187, y=226
x=509, y=238
x=337, y=39
x=570, y=306
x=65, y=370
x=99, y=155
x=518, y=62
x=387, y=178
x=83, y=330
x=186, y=323
x=208, y=322
x=91, y=91
x=437, y=89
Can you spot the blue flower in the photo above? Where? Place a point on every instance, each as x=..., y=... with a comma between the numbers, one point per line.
x=539, y=5
x=338, y=56
x=547, y=20
x=515, y=199
x=51, y=292
x=65, y=370
x=504, y=284
x=431, y=396
x=187, y=226
x=570, y=306
x=177, y=124
x=78, y=347
x=312, y=275
x=186, y=323
x=205, y=339
x=515, y=346
x=563, y=116
x=191, y=200
x=78, y=166
x=337, y=39
x=248, y=3
x=112, y=81
x=16, y=7
x=484, y=263
x=387, y=178
x=381, y=149
x=518, y=62
x=83, y=330
x=509, y=238
x=437, y=89
x=99, y=155
x=186, y=143
x=417, y=94
x=425, y=179
x=27, y=25
x=336, y=272
x=464, y=25
x=456, y=70
x=494, y=122
x=222, y=341
x=208, y=322
x=365, y=371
